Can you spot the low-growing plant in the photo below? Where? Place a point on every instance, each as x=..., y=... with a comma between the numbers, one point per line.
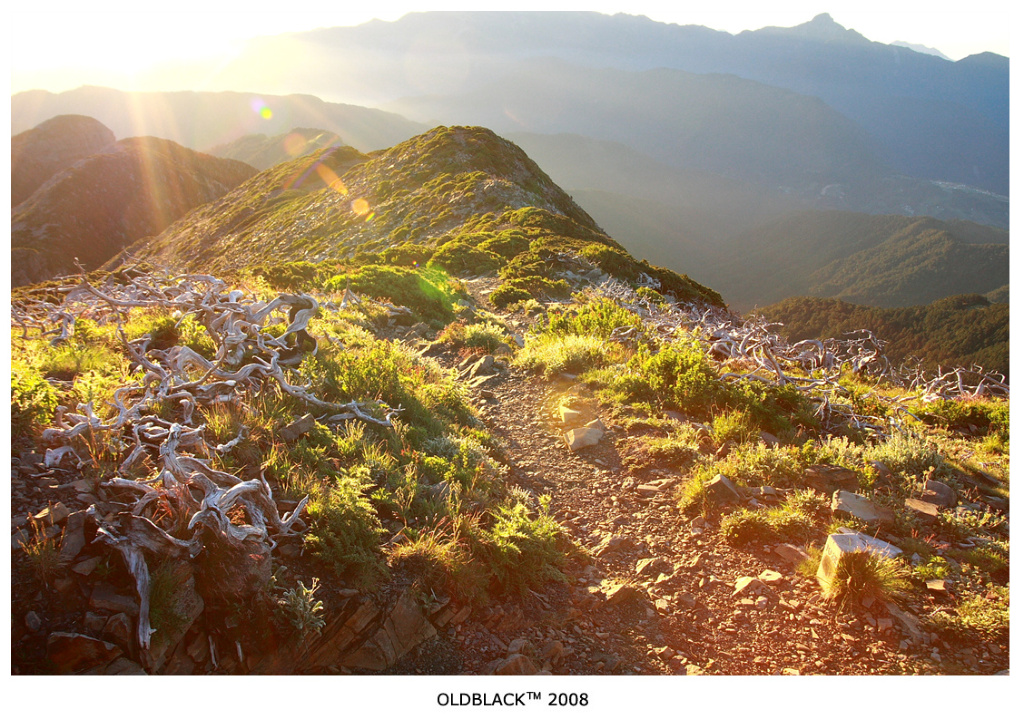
x=574, y=354
x=522, y=547
x=43, y=550
x=766, y=526
x=905, y=454
x=344, y=534
x=301, y=609
x=862, y=575
x=977, y=618
x=733, y=425
x=33, y=399
x=484, y=336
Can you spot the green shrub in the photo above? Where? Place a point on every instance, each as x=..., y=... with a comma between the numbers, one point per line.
x=33, y=399
x=905, y=455
x=430, y=295
x=522, y=548
x=460, y=258
x=573, y=354
x=597, y=318
x=678, y=376
x=345, y=532
x=507, y=294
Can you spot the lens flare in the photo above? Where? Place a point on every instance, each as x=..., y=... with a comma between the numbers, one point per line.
x=331, y=179
x=294, y=144
x=360, y=206
x=261, y=108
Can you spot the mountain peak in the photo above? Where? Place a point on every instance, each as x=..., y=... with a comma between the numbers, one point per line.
x=821, y=28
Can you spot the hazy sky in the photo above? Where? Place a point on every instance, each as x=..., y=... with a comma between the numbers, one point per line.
x=61, y=45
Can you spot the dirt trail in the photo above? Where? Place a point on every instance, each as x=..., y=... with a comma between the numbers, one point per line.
x=679, y=614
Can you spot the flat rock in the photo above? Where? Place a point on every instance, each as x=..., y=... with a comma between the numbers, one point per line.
x=750, y=585
x=105, y=598
x=74, y=653
x=577, y=439
x=516, y=664
x=939, y=586
x=923, y=510
x=613, y=543
x=54, y=514
x=619, y=593
x=791, y=553
x=722, y=490
x=652, y=566
x=939, y=493
x=73, y=541
x=770, y=576
x=296, y=429
x=855, y=505
x=828, y=478
x=567, y=415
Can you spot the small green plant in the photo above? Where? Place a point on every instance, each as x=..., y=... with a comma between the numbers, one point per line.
x=522, y=547
x=860, y=575
x=301, y=608
x=979, y=617
x=735, y=425
x=766, y=525
x=344, y=530
x=934, y=568
x=33, y=399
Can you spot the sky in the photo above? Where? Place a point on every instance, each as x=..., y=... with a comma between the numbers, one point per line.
x=128, y=44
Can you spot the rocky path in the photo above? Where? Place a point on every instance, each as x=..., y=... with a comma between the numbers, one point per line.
x=653, y=592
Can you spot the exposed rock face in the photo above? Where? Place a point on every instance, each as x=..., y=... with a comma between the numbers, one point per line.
x=40, y=153
x=90, y=211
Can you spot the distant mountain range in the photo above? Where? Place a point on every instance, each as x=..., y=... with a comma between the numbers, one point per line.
x=90, y=210
x=202, y=120
x=925, y=116
x=878, y=260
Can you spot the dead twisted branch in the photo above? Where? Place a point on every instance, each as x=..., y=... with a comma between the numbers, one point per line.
x=184, y=504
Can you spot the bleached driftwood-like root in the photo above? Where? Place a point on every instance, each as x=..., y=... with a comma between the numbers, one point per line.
x=181, y=502
x=768, y=357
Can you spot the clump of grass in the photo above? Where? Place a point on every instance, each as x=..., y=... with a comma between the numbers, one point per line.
x=796, y=520
x=734, y=425
x=573, y=354
x=441, y=557
x=678, y=450
x=860, y=575
x=485, y=336
x=43, y=551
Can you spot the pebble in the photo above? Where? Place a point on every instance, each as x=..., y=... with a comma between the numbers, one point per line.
x=32, y=622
